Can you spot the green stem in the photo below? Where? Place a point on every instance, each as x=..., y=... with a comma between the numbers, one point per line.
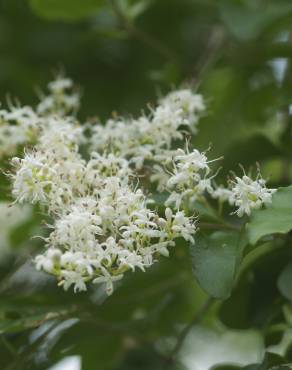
x=221, y=223
x=170, y=359
x=216, y=226
x=211, y=53
x=220, y=208
x=148, y=40
x=9, y=346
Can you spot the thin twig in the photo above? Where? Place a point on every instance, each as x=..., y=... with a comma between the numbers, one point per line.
x=9, y=346
x=170, y=359
x=220, y=223
x=210, y=55
x=147, y=39
x=215, y=226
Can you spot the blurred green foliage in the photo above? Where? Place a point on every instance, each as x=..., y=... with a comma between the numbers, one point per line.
x=123, y=53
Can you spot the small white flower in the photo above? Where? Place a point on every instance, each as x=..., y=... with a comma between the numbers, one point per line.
x=188, y=105
x=223, y=195
x=42, y=262
x=32, y=179
x=180, y=225
x=60, y=84
x=149, y=138
x=189, y=180
x=183, y=226
x=73, y=278
x=18, y=126
x=61, y=100
x=250, y=194
x=108, y=280
x=193, y=161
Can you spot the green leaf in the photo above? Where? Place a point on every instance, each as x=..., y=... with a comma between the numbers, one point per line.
x=272, y=361
x=23, y=312
x=66, y=10
x=277, y=218
x=255, y=298
x=96, y=346
x=247, y=22
x=284, y=282
x=18, y=325
x=226, y=367
x=205, y=211
x=133, y=8
x=215, y=261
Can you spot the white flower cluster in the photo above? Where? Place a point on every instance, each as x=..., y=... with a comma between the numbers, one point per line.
x=248, y=194
x=190, y=178
x=245, y=194
x=101, y=223
x=20, y=126
x=52, y=173
x=102, y=226
x=61, y=100
x=150, y=137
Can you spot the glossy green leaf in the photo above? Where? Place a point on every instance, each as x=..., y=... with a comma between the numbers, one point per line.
x=247, y=22
x=271, y=361
x=215, y=261
x=226, y=367
x=254, y=301
x=79, y=339
x=133, y=8
x=276, y=218
x=21, y=324
x=66, y=10
x=284, y=282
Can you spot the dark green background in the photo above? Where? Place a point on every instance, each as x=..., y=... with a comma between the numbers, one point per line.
x=222, y=48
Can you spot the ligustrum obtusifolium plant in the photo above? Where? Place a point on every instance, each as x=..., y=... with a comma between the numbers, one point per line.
x=138, y=188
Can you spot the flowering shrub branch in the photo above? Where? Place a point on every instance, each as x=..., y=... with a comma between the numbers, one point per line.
x=104, y=219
